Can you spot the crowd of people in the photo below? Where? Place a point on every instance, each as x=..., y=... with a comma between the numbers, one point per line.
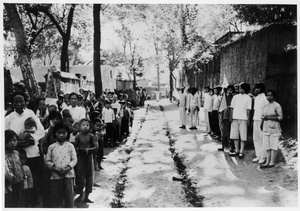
x=52, y=151
x=229, y=115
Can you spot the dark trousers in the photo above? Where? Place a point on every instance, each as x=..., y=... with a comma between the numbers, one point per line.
x=85, y=171
x=98, y=155
x=46, y=187
x=62, y=193
x=215, y=123
x=15, y=198
x=109, y=131
x=36, y=166
x=125, y=126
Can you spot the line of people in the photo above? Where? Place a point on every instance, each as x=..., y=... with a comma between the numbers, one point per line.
x=52, y=152
x=229, y=116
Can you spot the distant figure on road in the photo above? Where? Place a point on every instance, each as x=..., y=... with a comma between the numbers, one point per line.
x=193, y=106
x=183, y=97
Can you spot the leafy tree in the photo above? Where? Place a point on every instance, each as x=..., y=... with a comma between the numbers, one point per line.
x=129, y=16
x=62, y=17
x=23, y=58
x=47, y=49
x=265, y=14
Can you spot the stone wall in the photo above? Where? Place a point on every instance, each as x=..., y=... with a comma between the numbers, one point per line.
x=262, y=56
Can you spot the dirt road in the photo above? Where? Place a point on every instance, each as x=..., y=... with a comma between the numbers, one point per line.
x=161, y=165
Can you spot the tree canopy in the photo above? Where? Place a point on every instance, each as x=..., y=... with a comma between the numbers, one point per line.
x=265, y=14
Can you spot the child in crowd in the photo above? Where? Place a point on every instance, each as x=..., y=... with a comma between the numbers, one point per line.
x=98, y=131
x=29, y=129
x=117, y=128
x=46, y=141
x=125, y=119
x=42, y=111
x=14, y=175
x=85, y=147
x=61, y=159
x=108, y=116
x=28, y=180
x=131, y=114
x=67, y=118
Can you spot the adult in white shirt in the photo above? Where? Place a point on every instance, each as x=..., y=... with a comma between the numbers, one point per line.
x=15, y=121
x=259, y=102
x=193, y=107
x=77, y=112
x=182, y=106
x=207, y=108
x=239, y=118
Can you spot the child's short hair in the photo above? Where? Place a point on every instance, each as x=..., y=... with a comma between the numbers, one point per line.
x=60, y=125
x=97, y=120
x=66, y=113
x=84, y=120
x=30, y=122
x=54, y=114
x=9, y=134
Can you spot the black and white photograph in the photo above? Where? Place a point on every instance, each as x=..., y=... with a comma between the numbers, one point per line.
x=140, y=104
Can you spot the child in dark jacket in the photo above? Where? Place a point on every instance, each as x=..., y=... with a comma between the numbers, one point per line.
x=85, y=146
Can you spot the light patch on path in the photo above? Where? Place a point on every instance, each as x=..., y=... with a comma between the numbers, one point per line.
x=151, y=168
x=227, y=181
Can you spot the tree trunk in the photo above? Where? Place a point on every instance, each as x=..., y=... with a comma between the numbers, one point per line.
x=171, y=68
x=157, y=64
x=24, y=57
x=171, y=85
x=64, y=57
x=97, y=43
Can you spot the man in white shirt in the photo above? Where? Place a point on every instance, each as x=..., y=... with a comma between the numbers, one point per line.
x=193, y=107
x=108, y=117
x=77, y=112
x=239, y=118
x=182, y=107
x=259, y=102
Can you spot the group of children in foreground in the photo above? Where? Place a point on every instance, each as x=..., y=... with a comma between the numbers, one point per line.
x=68, y=164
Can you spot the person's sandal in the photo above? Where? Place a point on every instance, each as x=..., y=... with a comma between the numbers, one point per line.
x=234, y=154
x=241, y=155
